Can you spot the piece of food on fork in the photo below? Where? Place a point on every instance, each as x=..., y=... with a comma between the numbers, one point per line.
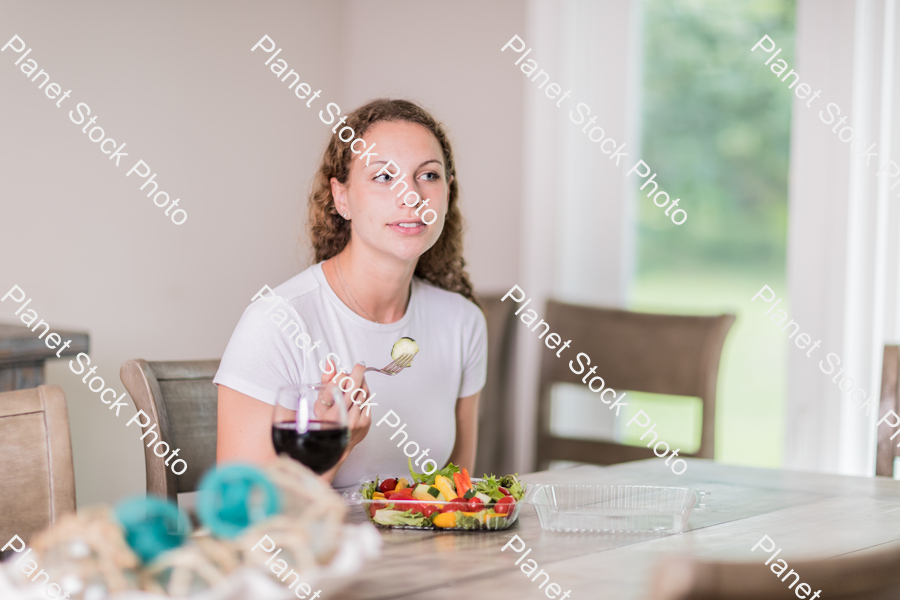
x=403, y=346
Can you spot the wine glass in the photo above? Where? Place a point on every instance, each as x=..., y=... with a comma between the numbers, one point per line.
x=309, y=424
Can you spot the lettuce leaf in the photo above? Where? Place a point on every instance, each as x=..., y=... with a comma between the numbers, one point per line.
x=386, y=516
x=447, y=472
x=469, y=522
x=416, y=477
x=490, y=486
x=515, y=487
x=368, y=489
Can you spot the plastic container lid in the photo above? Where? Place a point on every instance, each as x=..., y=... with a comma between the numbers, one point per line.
x=614, y=508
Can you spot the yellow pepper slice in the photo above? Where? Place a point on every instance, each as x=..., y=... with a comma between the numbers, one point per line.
x=403, y=483
x=445, y=486
x=447, y=519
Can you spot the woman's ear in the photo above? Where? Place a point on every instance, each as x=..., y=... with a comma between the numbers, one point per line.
x=339, y=193
x=449, y=181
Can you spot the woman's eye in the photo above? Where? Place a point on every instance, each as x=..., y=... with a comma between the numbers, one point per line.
x=431, y=176
x=383, y=178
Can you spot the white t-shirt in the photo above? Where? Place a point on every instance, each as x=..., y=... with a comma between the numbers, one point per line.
x=268, y=350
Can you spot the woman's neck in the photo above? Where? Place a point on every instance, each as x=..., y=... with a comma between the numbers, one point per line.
x=373, y=288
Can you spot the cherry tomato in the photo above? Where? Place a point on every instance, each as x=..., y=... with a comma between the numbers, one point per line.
x=425, y=509
x=388, y=485
x=504, y=505
x=457, y=504
x=406, y=503
x=474, y=505
x=504, y=491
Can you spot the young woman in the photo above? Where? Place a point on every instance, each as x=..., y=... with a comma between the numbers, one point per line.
x=382, y=272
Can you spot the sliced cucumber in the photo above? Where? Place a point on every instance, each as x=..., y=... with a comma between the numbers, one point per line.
x=434, y=491
x=470, y=494
x=484, y=498
x=404, y=346
x=421, y=492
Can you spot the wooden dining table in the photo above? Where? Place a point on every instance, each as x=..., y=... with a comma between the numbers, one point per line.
x=807, y=515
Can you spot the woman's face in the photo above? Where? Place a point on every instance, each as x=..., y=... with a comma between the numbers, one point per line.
x=379, y=218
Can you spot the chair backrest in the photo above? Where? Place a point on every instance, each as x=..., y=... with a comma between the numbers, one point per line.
x=890, y=392
x=37, y=476
x=641, y=352
x=495, y=423
x=181, y=400
x=869, y=576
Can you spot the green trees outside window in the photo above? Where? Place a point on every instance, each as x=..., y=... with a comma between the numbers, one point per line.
x=716, y=127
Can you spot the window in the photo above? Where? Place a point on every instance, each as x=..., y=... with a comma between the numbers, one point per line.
x=716, y=129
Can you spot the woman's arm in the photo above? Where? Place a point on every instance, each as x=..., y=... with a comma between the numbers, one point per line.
x=245, y=425
x=463, y=454
x=245, y=428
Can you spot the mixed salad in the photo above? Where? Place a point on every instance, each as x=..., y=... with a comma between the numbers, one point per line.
x=447, y=499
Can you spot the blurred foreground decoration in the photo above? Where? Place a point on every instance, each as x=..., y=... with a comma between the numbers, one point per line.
x=98, y=553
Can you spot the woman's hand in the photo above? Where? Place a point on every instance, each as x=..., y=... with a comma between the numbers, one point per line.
x=358, y=422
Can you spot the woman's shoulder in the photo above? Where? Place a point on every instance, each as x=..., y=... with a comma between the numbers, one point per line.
x=284, y=298
x=303, y=283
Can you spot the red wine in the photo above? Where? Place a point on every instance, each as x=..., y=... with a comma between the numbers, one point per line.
x=319, y=448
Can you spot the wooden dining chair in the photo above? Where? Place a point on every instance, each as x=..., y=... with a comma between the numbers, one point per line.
x=181, y=400
x=861, y=576
x=640, y=352
x=37, y=476
x=495, y=423
x=890, y=395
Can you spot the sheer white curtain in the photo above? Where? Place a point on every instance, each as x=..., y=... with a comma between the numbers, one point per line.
x=577, y=223
x=843, y=242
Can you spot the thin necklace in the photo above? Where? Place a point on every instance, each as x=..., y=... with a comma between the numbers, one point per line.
x=337, y=261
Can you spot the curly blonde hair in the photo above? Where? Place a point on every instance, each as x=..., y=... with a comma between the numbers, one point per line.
x=442, y=264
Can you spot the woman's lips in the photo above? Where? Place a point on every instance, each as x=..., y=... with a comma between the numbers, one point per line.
x=408, y=227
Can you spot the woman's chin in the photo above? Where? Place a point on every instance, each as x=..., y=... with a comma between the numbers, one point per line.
x=410, y=249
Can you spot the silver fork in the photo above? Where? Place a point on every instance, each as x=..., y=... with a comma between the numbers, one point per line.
x=396, y=366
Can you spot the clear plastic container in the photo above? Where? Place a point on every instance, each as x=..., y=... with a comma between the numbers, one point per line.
x=475, y=521
x=614, y=508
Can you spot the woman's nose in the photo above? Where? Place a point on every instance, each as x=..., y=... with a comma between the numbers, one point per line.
x=407, y=195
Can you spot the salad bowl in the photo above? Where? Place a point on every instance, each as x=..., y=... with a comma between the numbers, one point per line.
x=444, y=500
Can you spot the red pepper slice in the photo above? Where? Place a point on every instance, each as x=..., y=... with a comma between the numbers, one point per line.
x=462, y=486
x=465, y=475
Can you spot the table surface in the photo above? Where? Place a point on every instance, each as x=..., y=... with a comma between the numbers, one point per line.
x=809, y=516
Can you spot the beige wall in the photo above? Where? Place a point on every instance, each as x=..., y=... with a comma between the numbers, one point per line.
x=450, y=61
x=179, y=85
